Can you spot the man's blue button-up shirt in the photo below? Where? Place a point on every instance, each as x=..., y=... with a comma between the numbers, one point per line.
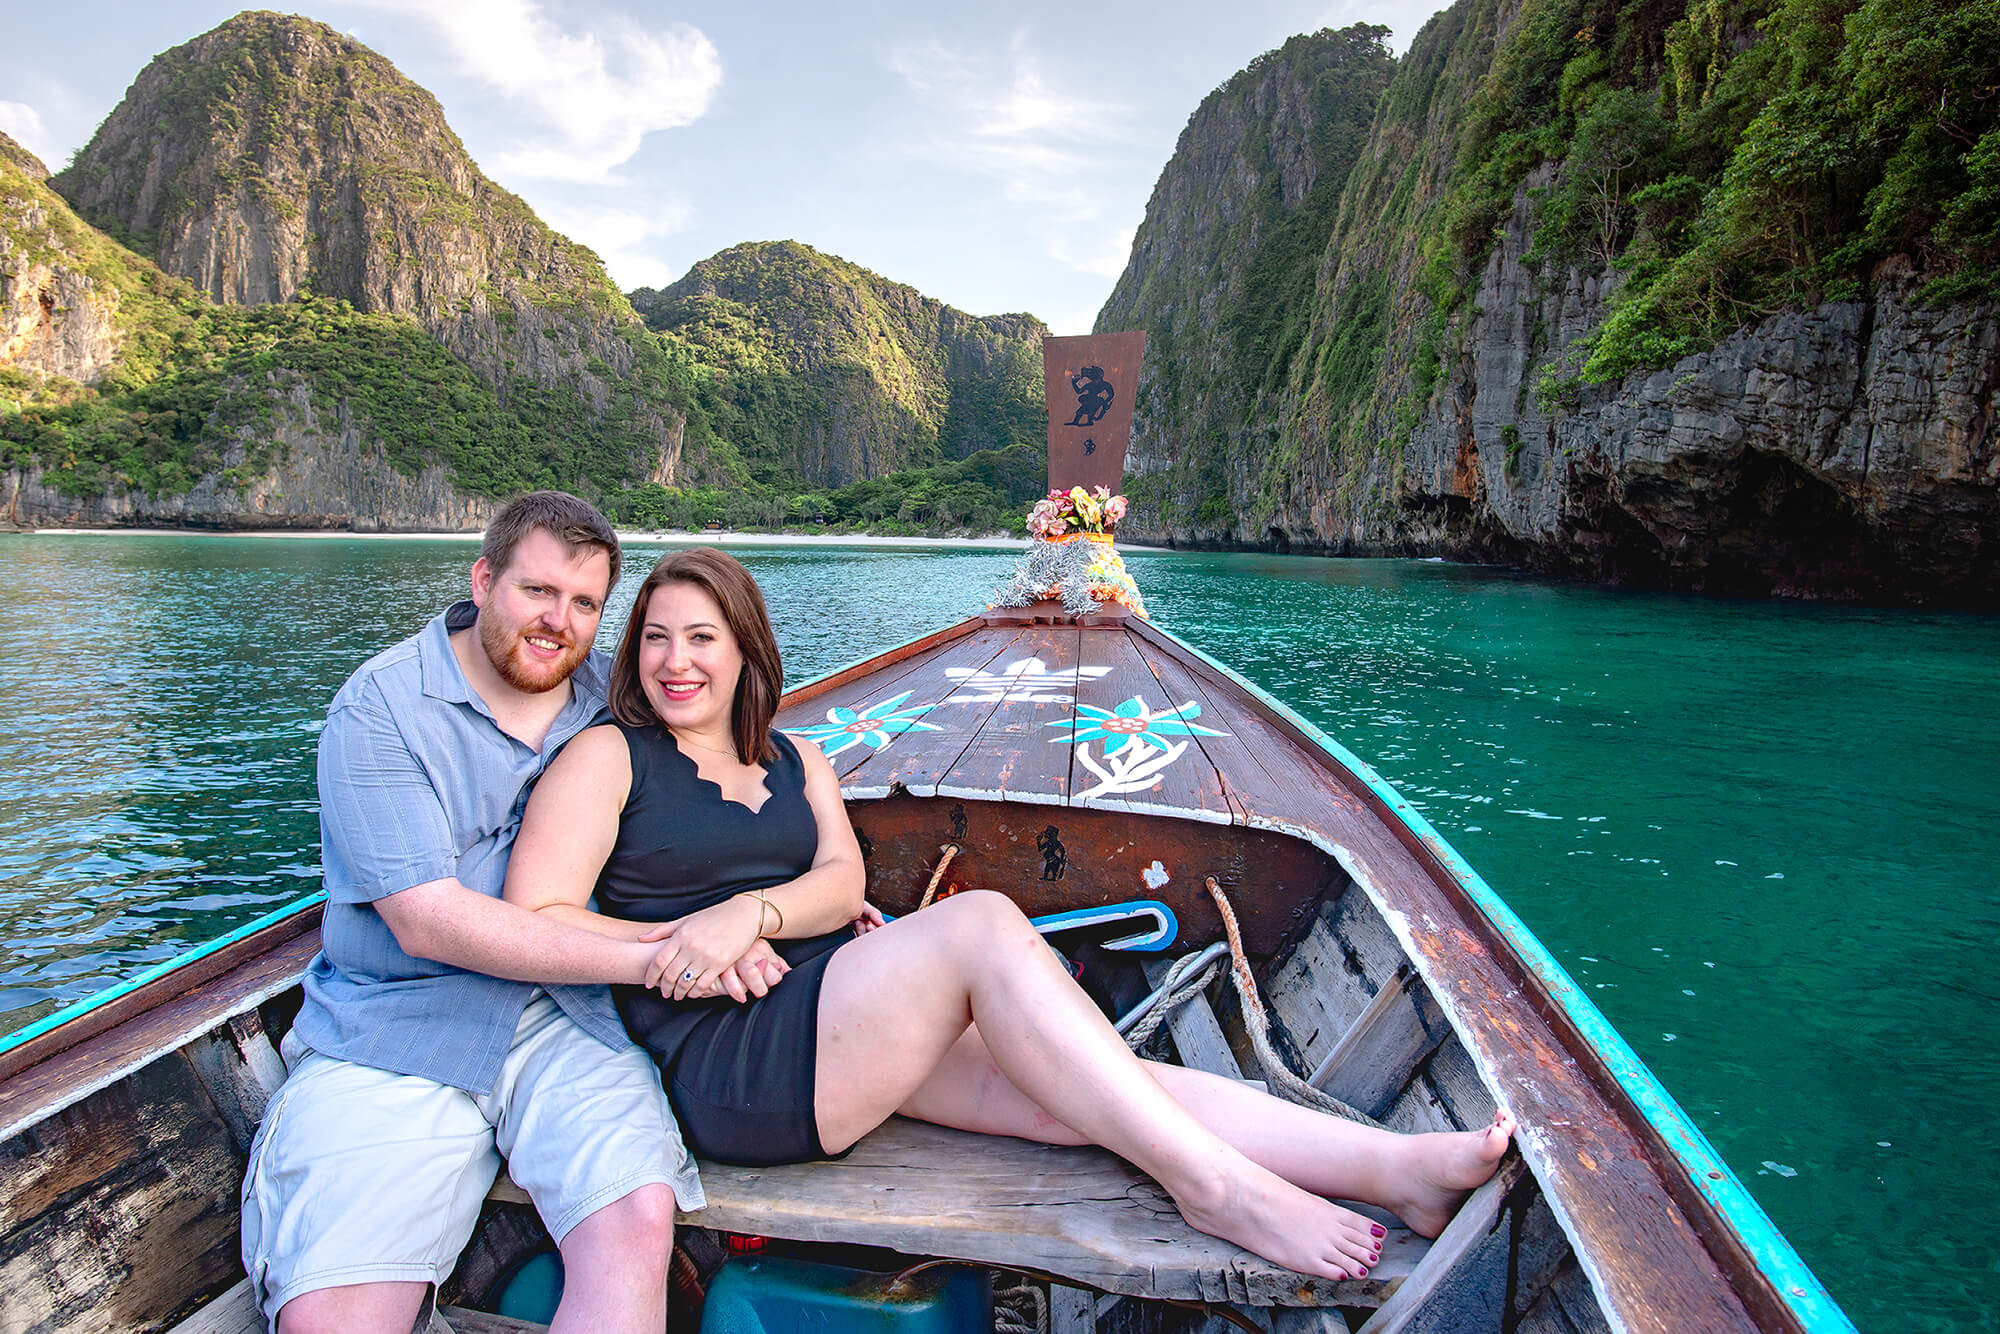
x=418, y=783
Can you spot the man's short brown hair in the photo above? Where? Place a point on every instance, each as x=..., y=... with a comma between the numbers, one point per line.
x=575, y=523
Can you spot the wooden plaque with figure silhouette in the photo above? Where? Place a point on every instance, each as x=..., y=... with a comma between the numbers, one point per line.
x=1091, y=382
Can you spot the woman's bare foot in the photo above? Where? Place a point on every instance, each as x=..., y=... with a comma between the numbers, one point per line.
x=1441, y=1170
x=1263, y=1213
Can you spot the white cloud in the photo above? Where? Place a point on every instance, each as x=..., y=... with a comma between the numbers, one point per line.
x=1043, y=146
x=1053, y=154
x=1103, y=252
x=592, y=94
x=24, y=125
x=625, y=238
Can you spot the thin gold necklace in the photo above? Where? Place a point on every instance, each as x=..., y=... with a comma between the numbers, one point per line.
x=690, y=741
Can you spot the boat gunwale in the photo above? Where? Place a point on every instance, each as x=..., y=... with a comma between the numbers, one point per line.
x=1703, y=1173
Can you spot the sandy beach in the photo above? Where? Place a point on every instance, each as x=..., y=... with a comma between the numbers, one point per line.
x=992, y=542
x=995, y=541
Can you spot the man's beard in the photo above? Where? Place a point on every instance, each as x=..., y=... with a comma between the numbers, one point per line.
x=506, y=652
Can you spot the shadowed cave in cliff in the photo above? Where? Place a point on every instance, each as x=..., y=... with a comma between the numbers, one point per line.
x=1755, y=523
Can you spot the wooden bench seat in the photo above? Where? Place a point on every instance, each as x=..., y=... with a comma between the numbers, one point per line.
x=1078, y=1214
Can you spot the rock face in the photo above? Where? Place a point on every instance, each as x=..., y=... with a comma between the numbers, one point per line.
x=1221, y=268
x=326, y=474
x=1850, y=450
x=55, y=318
x=275, y=155
x=126, y=397
x=827, y=373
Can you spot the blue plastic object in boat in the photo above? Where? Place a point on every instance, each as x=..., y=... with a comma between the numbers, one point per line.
x=771, y=1296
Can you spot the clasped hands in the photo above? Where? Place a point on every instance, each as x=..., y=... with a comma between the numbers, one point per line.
x=719, y=952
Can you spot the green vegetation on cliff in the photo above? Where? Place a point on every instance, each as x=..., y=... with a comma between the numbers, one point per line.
x=274, y=158
x=1736, y=157
x=988, y=491
x=821, y=373
x=196, y=389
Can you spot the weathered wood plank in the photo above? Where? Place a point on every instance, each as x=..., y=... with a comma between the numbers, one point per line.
x=1118, y=771
x=119, y=1213
x=1462, y=1283
x=1072, y=1310
x=1082, y=1215
x=234, y=1312
x=1277, y=783
x=241, y=1070
x=796, y=700
x=1018, y=754
x=1578, y=1302
x=1308, y=1320
x=1197, y=1033
x=1247, y=775
x=1335, y=973
x=1377, y=1056
x=967, y=696
x=76, y=1071
x=463, y=1320
x=900, y=695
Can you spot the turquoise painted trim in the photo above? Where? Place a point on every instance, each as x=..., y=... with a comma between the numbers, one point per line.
x=157, y=971
x=1795, y=1283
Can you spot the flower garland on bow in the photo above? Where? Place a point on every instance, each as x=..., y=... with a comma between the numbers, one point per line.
x=1072, y=558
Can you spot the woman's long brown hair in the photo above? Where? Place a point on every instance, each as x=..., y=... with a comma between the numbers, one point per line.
x=762, y=680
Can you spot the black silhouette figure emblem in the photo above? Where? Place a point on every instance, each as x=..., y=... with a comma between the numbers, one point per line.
x=957, y=820
x=1093, y=395
x=1055, y=857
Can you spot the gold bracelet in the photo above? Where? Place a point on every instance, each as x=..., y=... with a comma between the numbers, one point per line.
x=764, y=902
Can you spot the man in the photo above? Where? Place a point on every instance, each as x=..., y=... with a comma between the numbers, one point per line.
x=425, y=1049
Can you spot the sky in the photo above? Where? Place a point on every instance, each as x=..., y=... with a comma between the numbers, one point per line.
x=996, y=157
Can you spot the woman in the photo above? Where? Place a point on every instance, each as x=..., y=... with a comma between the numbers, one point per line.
x=700, y=828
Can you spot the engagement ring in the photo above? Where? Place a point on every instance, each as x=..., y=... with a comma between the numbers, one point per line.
x=687, y=976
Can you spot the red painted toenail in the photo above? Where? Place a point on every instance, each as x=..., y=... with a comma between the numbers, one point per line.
x=1362, y=1274
x=1378, y=1229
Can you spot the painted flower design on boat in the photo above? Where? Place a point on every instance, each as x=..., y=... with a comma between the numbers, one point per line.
x=1133, y=724
x=872, y=726
x=1143, y=747
x=1028, y=681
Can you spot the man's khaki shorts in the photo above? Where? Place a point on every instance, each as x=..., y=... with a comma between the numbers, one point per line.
x=359, y=1175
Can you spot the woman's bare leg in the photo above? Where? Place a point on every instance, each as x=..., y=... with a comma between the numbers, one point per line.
x=1419, y=1178
x=894, y=1002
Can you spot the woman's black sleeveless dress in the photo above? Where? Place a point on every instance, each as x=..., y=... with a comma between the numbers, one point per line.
x=740, y=1076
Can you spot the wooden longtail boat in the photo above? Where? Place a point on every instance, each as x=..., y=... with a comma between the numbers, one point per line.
x=1076, y=764
x=1391, y=974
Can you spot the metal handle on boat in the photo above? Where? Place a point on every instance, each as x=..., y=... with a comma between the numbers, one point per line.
x=1182, y=971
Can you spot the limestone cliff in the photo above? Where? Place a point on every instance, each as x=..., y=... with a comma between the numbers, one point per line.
x=274, y=156
x=825, y=373
x=128, y=397
x=1221, y=270
x=1487, y=366
x=56, y=318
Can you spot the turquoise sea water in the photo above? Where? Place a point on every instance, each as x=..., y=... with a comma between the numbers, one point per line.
x=1763, y=835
